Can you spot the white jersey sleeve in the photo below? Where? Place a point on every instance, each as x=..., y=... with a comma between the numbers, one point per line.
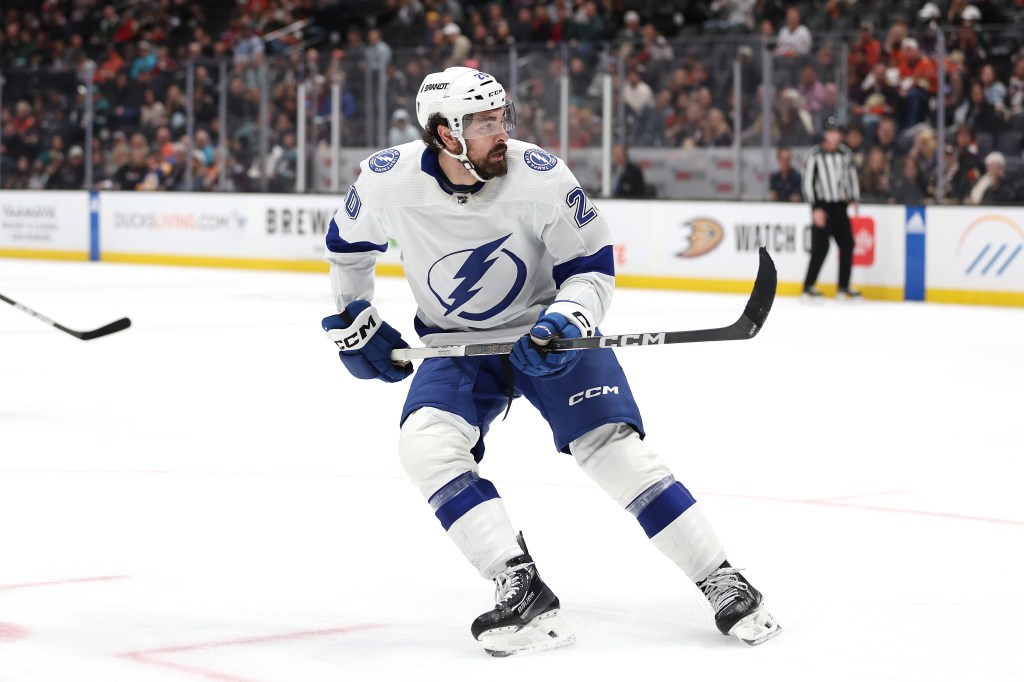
x=578, y=239
x=355, y=238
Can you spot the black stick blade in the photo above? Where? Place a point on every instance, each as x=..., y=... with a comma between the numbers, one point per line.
x=113, y=327
x=763, y=295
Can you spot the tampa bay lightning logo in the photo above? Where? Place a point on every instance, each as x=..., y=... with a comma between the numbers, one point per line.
x=540, y=160
x=485, y=281
x=384, y=160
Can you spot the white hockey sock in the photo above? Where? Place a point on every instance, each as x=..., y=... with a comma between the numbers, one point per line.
x=435, y=451
x=631, y=473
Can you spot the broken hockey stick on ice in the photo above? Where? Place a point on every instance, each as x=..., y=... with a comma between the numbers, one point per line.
x=749, y=324
x=115, y=326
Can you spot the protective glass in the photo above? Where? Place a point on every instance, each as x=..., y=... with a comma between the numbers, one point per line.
x=487, y=123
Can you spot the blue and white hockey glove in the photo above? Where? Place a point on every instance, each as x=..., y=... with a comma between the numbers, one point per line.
x=366, y=342
x=528, y=354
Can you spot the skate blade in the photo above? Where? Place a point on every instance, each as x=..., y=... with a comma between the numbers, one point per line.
x=757, y=628
x=547, y=631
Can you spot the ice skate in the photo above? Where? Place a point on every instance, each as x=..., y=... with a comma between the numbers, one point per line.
x=812, y=294
x=738, y=606
x=526, y=614
x=849, y=294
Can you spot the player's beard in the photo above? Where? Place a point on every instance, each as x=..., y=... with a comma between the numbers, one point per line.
x=490, y=167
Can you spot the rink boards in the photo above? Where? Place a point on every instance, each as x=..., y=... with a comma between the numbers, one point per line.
x=946, y=254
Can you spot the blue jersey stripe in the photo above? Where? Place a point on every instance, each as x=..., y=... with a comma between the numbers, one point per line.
x=664, y=509
x=338, y=245
x=603, y=262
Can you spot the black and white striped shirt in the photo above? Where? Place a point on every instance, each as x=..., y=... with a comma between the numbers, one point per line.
x=830, y=177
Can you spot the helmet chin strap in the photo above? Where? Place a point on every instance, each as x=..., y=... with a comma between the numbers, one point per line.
x=463, y=158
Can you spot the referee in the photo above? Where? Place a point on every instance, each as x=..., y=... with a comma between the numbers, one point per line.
x=830, y=186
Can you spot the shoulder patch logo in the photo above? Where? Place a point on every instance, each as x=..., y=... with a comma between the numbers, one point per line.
x=539, y=160
x=353, y=203
x=384, y=160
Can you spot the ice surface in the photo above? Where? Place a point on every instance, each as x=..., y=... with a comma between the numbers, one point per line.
x=209, y=495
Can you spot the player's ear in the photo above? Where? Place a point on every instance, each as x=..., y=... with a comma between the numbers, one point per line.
x=449, y=141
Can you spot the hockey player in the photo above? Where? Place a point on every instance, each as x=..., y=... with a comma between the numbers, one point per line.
x=499, y=243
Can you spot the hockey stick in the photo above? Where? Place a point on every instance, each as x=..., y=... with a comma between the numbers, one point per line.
x=115, y=326
x=746, y=327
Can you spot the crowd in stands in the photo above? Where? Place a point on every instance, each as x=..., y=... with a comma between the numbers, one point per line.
x=872, y=63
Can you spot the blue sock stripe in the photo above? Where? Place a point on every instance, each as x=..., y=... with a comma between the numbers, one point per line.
x=477, y=492
x=647, y=496
x=451, y=489
x=664, y=509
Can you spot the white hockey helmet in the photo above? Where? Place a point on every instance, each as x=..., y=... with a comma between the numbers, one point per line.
x=458, y=92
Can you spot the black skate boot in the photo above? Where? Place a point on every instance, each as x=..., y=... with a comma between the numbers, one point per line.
x=849, y=294
x=525, y=617
x=812, y=294
x=737, y=606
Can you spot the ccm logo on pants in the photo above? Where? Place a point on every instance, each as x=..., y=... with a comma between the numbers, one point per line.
x=578, y=398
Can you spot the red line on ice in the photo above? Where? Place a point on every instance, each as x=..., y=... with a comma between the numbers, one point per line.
x=866, y=507
x=68, y=581
x=10, y=632
x=147, y=656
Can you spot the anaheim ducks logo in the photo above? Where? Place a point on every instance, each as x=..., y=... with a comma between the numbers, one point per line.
x=701, y=236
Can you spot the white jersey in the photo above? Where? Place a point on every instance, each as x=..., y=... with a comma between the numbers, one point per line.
x=483, y=261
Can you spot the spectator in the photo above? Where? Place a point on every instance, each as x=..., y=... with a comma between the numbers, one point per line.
x=918, y=83
x=248, y=45
x=563, y=30
x=731, y=15
x=875, y=178
x=540, y=28
x=19, y=178
x=885, y=138
x=812, y=90
x=378, y=53
x=854, y=139
x=908, y=187
x=111, y=65
x=459, y=45
x=785, y=184
x=877, y=94
x=401, y=130
x=629, y=178
x=153, y=112
x=282, y=164
x=589, y=23
x=794, y=38
x=637, y=94
x=993, y=188
x=630, y=36
x=205, y=147
x=865, y=51
x=39, y=174
x=522, y=30
x=794, y=123
x=1015, y=89
x=145, y=62
x=715, y=130
x=70, y=174
x=131, y=175
x=995, y=92
x=956, y=185
x=894, y=42
x=976, y=112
